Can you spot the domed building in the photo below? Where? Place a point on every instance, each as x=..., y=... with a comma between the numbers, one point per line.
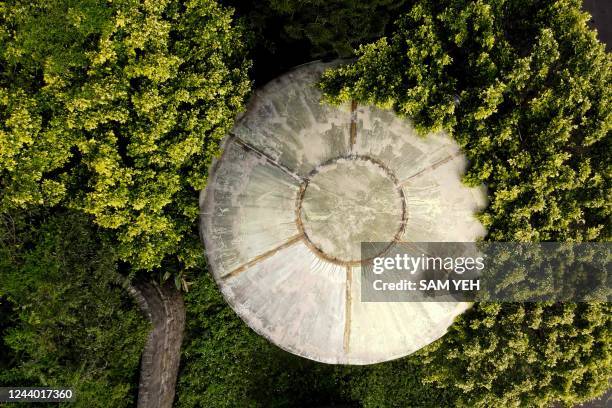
x=299, y=186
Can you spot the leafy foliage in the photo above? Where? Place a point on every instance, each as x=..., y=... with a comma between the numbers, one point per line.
x=116, y=109
x=69, y=321
x=226, y=364
x=528, y=354
x=286, y=33
x=244, y=370
x=531, y=354
x=525, y=88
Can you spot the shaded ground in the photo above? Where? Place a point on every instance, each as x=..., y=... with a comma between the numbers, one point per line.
x=601, y=10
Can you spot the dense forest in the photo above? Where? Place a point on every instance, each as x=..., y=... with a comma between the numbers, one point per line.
x=111, y=113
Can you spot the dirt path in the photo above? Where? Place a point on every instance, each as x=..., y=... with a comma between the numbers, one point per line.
x=164, y=307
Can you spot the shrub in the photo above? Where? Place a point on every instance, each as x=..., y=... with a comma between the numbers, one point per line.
x=116, y=109
x=68, y=321
x=525, y=88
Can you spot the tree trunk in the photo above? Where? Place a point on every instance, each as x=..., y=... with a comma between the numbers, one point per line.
x=164, y=307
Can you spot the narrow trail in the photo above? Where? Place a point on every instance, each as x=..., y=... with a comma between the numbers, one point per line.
x=163, y=305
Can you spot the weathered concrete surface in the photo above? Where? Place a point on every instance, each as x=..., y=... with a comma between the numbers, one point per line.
x=294, y=299
x=300, y=185
x=381, y=331
x=248, y=192
x=286, y=121
x=164, y=307
x=338, y=214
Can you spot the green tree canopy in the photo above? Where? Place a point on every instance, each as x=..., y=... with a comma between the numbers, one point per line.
x=530, y=354
x=525, y=88
x=67, y=320
x=116, y=109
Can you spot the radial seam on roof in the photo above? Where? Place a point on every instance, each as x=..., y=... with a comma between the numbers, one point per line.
x=432, y=167
x=263, y=256
x=353, y=129
x=347, y=307
x=265, y=156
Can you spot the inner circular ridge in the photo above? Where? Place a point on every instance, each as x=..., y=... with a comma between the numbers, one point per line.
x=347, y=201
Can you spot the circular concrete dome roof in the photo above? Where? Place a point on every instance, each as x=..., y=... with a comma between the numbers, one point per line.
x=299, y=186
